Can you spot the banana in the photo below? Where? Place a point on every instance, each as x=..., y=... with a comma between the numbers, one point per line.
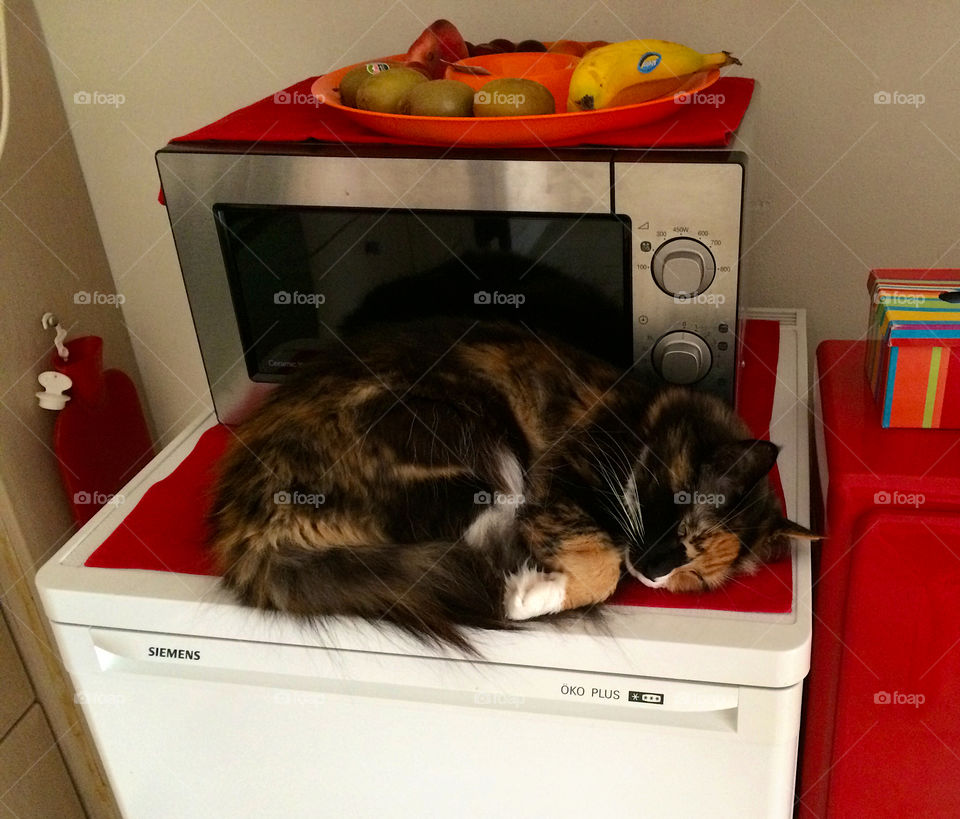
x=636, y=71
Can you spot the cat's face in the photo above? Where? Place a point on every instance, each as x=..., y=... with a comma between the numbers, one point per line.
x=704, y=523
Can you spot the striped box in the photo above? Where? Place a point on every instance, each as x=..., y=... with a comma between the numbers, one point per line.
x=913, y=355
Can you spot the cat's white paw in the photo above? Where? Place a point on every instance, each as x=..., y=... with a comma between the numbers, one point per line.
x=531, y=593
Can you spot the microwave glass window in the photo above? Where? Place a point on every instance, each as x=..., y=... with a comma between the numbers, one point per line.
x=302, y=277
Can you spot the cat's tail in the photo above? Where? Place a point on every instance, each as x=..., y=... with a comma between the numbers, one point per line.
x=430, y=590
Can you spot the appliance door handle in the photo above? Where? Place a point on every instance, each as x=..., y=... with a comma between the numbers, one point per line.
x=315, y=673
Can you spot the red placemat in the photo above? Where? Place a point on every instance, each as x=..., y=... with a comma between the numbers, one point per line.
x=166, y=530
x=291, y=115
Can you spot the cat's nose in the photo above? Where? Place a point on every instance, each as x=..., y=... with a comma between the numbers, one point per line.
x=658, y=566
x=653, y=571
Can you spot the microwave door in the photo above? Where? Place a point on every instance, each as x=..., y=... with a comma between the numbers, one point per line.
x=280, y=253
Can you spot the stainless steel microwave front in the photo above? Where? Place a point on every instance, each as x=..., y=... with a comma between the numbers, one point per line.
x=684, y=219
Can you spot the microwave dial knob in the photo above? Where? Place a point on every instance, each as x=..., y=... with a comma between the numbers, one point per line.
x=683, y=267
x=682, y=358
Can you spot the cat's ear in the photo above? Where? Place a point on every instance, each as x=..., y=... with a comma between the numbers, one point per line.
x=746, y=462
x=787, y=528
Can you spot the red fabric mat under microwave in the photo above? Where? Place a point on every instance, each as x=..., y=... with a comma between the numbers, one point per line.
x=166, y=531
x=694, y=125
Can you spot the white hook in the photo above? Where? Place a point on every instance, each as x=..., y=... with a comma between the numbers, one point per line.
x=49, y=320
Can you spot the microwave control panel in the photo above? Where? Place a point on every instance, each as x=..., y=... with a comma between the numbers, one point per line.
x=685, y=235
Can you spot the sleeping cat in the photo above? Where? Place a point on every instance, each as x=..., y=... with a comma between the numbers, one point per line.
x=460, y=473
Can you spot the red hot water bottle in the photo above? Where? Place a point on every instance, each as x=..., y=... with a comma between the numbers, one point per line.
x=101, y=437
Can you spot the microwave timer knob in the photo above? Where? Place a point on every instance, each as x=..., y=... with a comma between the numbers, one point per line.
x=683, y=267
x=682, y=357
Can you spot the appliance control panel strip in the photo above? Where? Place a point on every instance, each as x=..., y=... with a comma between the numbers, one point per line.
x=316, y=672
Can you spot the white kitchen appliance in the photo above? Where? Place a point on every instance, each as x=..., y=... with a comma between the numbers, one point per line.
x=200, y=707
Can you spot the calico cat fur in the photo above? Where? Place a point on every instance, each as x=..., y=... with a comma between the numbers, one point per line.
x=462, y=474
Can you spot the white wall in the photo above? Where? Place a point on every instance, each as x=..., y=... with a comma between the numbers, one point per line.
x=840, y=184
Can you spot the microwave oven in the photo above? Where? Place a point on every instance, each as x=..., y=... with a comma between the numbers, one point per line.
x=631, y=254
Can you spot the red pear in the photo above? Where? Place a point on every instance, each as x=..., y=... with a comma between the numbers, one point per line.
x=438, y=44
x=452, y=45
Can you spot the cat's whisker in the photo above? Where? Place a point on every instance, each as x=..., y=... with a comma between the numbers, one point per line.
x=630, y=502
x=733, y=580
x=614, y=505
x=627, y=513
x=614, y=500
x=638, y=505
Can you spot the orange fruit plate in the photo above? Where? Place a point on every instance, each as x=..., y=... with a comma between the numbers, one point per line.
x=543, y=129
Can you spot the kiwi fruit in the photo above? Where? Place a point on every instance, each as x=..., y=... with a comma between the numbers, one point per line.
x=350, y=82
x=439, y=98
x=512, y=97
x=385, y=90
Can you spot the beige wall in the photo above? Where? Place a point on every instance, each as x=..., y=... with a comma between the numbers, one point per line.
x=839, y=184
x=51, y=250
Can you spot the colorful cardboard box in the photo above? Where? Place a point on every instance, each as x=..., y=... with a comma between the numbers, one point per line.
x=913, y=356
